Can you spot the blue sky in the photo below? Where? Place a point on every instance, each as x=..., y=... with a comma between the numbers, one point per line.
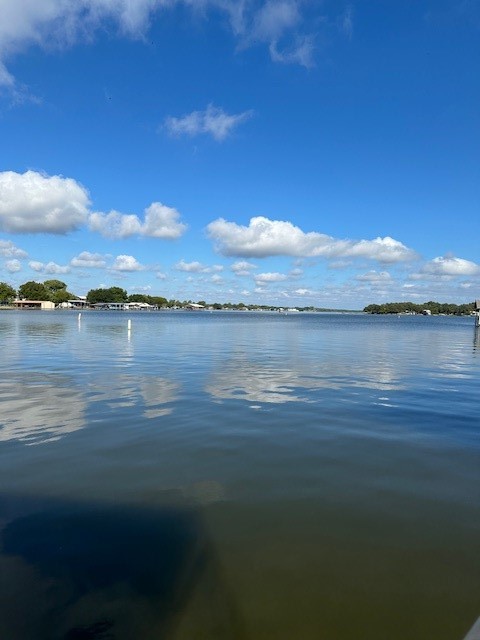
x=284, y=152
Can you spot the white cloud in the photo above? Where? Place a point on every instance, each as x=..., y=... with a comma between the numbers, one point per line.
x=88, y=260
x=296, y=273
x=301, y=53
x=33, y=202
x=197, y=267
x=375, y=277
x=243, y=268
x=9, y=250
x=213, y=121
x=114, y=224
x=346, y=22
x=13, y=266
x=274, y=18
x=160, y=222
x=216, y=279
x=190, y=267
x=161, y=276
x=303, y=292
x=264, y=237
x=126, y=263
x=264, y=278
x=451, y=266
x=60, y=24
x=48, y=268
x=272, y=22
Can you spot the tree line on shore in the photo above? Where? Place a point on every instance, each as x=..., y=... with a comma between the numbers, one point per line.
x=56, y=291
x=435, y=308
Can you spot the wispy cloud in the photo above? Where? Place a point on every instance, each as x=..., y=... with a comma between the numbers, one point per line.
x=346, y=21
x=59, y=24
x=213, y=121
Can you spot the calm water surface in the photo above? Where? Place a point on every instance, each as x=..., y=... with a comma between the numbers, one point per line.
x=238, y=475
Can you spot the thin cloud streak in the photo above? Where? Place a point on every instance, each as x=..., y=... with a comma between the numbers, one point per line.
x=213, y=121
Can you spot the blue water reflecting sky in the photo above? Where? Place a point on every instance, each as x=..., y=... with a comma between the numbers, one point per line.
x=302, y=442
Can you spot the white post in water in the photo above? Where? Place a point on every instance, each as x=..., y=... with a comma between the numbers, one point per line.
x=79, y=318
x=129, y=325
x=477, y=313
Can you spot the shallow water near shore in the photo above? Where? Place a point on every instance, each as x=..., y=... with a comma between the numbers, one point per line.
x=238, y=475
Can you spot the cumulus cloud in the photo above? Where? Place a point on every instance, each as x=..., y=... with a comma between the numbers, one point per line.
x=375, y=277
x=9, y=250
x=126, y=263
x=303, y=292
x=451, y=266
x=265, y=278
x=48, y=268
x=197, y=267
x=88, y=260
x=264, y=237
x=213, y=121
x=13, y=266
x=190, y=267
x=242, y=268
x=160, y=221
x=33, y=202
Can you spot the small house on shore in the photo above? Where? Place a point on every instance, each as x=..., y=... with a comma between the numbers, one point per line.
x=34, y=304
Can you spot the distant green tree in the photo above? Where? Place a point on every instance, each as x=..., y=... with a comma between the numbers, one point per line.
x=62, y=295
x=54, y=285
x=160, y=301
x=33, y=291
x=138, y=297
x=58, y=291
x=113, y=294
x=409, y=307
x=7, y=293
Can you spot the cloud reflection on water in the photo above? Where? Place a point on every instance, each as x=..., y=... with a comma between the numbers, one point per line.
x=38, y=408
x=126, y=390
x=255, y=382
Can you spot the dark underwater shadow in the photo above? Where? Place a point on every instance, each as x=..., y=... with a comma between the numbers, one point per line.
x=82, y=572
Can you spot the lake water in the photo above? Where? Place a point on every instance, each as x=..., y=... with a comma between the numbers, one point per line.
x=238, y=476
